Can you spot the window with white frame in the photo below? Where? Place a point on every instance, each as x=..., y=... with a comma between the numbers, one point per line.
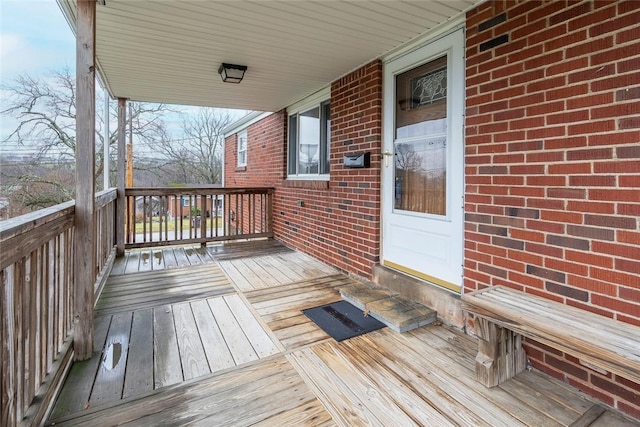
x=309, y=136
x=242, y=148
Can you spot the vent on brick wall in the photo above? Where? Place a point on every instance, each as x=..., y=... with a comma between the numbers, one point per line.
x=492, y=22
x=497, y=41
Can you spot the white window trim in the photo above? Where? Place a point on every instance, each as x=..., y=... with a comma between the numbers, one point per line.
x=243, y=134
x=300, y=107
x=310, y=101
x=323, y=177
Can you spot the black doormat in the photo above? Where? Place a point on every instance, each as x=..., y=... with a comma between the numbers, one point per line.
x=342, y=320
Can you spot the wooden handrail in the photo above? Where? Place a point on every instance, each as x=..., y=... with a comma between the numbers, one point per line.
x=164, y=216
x=36, y=303
x=105, y=197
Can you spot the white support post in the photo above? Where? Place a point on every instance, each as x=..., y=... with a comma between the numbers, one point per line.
x=121, y=176
x=107, y=139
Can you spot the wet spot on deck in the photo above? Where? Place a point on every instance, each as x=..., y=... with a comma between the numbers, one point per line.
x=112, y=356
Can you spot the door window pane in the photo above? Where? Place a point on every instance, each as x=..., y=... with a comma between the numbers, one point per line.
x=420, y=176
x=421, y=139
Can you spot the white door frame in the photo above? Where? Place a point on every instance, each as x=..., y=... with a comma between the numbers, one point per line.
x=448, y=230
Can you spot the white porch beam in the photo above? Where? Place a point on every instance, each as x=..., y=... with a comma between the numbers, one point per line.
x=85, y=239
x=122, y=201
x=106, y=146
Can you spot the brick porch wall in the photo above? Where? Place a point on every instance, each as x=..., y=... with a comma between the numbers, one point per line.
x=337, y=221
x=553, y=164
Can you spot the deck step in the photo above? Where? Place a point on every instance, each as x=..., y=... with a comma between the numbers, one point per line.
x=398, y=313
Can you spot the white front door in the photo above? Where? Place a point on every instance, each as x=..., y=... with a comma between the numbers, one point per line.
x=423, y=162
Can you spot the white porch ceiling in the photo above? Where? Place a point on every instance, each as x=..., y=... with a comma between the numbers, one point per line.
x=170, y=50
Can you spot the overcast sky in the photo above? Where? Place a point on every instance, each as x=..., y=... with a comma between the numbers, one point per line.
x=36, y=38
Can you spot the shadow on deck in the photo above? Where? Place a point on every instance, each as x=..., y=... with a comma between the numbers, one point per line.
x=215, y=336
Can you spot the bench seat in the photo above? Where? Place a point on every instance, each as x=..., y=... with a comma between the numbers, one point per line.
x=503, y=315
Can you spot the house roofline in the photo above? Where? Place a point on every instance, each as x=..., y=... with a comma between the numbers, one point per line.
x=244, y=122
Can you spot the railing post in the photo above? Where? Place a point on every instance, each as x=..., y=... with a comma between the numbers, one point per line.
x=7, y=351
x=122, y=200
x=84, y=259
x=270, y=211
x=203, y=218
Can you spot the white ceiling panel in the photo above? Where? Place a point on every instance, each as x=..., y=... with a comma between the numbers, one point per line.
x=170, y=50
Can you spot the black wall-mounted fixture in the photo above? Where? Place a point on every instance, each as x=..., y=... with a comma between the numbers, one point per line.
x=357, y=160
x=232, y=73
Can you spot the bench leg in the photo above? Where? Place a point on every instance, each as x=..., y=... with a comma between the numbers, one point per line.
x=500, y=353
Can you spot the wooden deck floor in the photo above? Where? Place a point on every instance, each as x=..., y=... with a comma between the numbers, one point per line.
x=223, y=342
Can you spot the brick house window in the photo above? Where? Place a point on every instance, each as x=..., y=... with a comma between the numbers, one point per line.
x=308, y=148
x=242, y=148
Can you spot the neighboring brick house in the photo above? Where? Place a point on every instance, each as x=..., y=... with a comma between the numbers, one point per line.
x=542, y=142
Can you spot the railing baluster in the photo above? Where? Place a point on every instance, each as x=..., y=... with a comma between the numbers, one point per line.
x=134, y=219
x=203, y=216
x=164, y=210
x=8, y=348
x=243, y=213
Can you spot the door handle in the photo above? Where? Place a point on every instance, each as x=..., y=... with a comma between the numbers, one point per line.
x=386, y=155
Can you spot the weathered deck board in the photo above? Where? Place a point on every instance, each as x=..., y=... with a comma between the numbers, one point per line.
x=281, y=308
x=241, y=283
x=495, y=402
x=140, y=260
x=114, y=361
x=277, y=263
x=613, y=419
x=250, y=249
x=462, y=349
x=255, y=278
x=197, y=255
x=240, y=347
x=281, y=268
x=559, y=393
x=181, y=257
x=74, y=396
x=257, y=336
x=235, y=398
x=192, y=355
x=169, y=257
x=261, y=273
x=402, y=386
x=216, y=350
x=146, y=290
x=246, y=355
x=139, y=378
x=144, y=260
x=167, y=368
x=309, y=265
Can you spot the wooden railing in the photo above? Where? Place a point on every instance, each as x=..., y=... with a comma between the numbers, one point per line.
x=36, y=305
x=162, y=216
x=105, y=208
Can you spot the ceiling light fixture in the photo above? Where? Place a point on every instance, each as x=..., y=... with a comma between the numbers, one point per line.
x=232, y=73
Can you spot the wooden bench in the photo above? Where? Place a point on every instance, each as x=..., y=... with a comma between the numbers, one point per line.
x=503, y=315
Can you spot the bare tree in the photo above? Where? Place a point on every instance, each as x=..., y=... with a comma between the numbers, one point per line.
x=34, y=192
x=407, y=158
x=197, y=157
x=45, y=114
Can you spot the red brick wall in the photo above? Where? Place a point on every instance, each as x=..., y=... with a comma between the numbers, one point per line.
x=265, y=166
x=339, y=220
x=553, y=164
